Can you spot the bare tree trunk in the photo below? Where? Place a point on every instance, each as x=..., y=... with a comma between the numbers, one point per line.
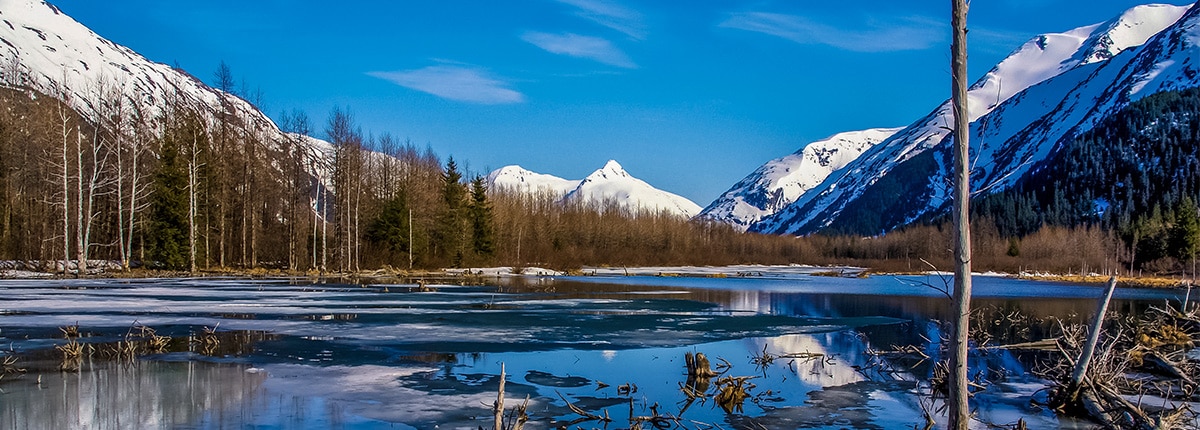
x=324, y=232
x=133, y=201
x=79, y=239
x=66, y=191
x=96, y=182
x=314, y=234
x=119, y=146
x=498, y=407
x=357, y=225
x=959, y=411
x=251, y=154
x=193, y=172
x=1093, y=338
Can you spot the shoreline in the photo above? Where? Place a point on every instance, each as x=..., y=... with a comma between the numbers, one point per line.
x=740, y=271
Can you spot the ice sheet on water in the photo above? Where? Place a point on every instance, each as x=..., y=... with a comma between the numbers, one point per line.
x=457, y=319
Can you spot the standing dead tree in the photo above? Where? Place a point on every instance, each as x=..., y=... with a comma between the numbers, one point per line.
x=959, y=412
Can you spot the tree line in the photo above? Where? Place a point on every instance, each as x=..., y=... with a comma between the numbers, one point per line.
x=187, y=187
x=1136, y=174
x=183, y=186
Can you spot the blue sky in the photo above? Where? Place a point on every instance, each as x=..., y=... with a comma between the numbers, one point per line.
x=689, y=96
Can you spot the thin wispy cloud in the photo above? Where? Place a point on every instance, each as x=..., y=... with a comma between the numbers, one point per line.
x=610, y=14
x=592, y=48
x=458, y=83
x=903, y=34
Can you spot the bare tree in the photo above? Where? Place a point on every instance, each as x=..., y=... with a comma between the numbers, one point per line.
x=64, y=117
x=91, y=183
x=132, y=185
x=193, y=170
x=92, y=173
x=225, y=124
x=958, y=405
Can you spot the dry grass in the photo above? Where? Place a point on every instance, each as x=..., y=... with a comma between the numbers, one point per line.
x=1124, y=282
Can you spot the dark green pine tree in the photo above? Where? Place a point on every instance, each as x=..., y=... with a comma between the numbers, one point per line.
x=1185, y=234
x=451, y=227
x=390, y=230
x=483, y=232
x=168, y=238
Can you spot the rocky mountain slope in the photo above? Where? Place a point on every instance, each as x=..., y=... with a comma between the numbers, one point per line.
x=781, y=181
x=1052, y=88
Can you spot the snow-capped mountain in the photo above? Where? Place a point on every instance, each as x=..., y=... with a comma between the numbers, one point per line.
x=1051, y=88
x=610, y=183
x=779, y=182
x=516, y=178
x=43, y=48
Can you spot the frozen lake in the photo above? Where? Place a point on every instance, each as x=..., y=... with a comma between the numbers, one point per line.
x=294, y=354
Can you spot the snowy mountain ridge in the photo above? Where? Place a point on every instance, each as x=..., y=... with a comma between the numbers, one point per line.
x=781, y=181
x=43, y=48
x=518, y=179
x=1052, y=87
x=610, y=183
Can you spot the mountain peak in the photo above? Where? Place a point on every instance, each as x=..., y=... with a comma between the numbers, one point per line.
x=610, y=184
x=520, y=179
x=611, y=170
x=1132, y=28
x=1054, y=87
x=781, y=181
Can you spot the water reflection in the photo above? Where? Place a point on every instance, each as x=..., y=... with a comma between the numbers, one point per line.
x=143, y=394
x=387, y=356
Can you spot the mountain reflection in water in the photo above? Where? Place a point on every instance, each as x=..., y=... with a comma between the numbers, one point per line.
x=385, y=356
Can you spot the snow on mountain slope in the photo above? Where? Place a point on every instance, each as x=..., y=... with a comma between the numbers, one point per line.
x=516, y=178
x=43, y=48
x=610, y=183
x=46, y=50
x=613, y=183
x=781, y=181
x=1021, y=84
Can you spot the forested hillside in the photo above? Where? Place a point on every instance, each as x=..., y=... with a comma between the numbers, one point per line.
x=1136, y=173
x=178, y=191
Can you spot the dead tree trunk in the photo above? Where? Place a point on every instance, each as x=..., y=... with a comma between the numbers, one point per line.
x=1093, y=338
x=498, y=407
x=66, y=190
x=959, y=412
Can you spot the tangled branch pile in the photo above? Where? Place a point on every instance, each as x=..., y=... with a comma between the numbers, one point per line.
x=1143, y=374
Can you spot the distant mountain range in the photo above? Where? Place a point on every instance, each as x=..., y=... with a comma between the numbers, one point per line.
x=610, y=183
x=44, y=49
x=1048, y=91
x=781, y=181
x=1051, y=89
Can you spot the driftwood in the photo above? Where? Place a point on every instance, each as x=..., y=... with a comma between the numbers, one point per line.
x=1045, y=345
x=698, y=366
x=498, y=407
x=587, y=416
x=1093, y=337
x=1100, y=380
x=516, y=417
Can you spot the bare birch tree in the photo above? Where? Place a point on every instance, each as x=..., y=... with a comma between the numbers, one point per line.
x=64, y=117
x=959, y=411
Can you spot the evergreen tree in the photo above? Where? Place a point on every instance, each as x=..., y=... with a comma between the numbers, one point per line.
x=483, y=232
x=1185, y=234
x=451, y=229
x=168, y=238
x=390, y=229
